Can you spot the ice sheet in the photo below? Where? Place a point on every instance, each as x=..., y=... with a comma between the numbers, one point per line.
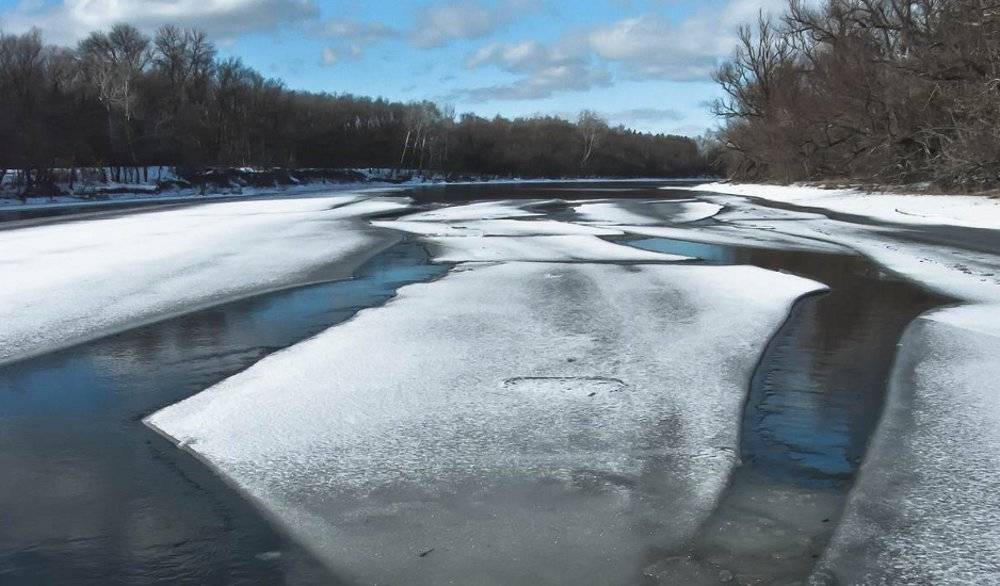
x=510, y=423
x=540, y=248
x=926, y=508
x=67, y=282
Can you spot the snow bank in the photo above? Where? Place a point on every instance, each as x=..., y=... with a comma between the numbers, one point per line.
x=510, y=423
x=926, y=508
x=956, y=210
x=67, y=282
x=539, y=248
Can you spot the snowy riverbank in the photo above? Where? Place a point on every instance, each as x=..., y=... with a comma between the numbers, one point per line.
x=971, y=211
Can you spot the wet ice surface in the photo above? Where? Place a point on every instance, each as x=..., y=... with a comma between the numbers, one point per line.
x=521, y=422
x=79, y=280
x=926, y=509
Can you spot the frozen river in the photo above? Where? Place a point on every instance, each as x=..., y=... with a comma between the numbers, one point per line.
x=574, y=384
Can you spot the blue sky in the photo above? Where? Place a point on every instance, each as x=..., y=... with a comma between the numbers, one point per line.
x=643, y=63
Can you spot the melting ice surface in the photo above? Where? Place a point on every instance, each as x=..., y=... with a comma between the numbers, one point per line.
x=518, y=422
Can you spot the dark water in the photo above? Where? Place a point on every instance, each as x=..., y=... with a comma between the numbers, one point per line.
x=89, y=495
x=813, y=404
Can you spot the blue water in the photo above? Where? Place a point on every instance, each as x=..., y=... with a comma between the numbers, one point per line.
x=89, y=495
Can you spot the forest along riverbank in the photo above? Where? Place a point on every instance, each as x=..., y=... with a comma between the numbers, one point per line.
x=813, y=403
x=91, y=496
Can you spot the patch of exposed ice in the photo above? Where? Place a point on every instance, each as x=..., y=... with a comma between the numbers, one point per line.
x=67, y=282
x=539, y=249
x=509, y=423
x=926, y=507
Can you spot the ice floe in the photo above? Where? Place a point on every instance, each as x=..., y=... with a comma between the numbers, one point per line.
x=70, y=281
x=509, y=423
x=926, y=507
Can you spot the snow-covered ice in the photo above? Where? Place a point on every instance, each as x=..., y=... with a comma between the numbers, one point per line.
x=71, y=281
x=926, y=507
x=956, y=210
x=963, y=273
x=509, y=423
x=539, y=248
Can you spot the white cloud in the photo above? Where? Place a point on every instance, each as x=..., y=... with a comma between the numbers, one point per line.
x=444, y=22
x=70, y=20
x=543, y=70
x=351, y=38
x=641, y=47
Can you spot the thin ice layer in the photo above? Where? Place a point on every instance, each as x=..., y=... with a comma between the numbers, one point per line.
x=926, y=507
x=539, y=249
x=511, y=423
x=68, y=282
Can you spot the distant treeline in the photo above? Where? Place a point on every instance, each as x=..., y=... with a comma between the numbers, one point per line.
x=122, y=99
x=890, y=91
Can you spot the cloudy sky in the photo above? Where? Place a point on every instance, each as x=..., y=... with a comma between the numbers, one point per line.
x=644, y=63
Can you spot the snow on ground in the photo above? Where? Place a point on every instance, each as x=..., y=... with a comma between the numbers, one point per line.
x=509, y=423
x=926, y=508
x=497, y=228
x=71, y=281
x=539, y=249
x=957, y=210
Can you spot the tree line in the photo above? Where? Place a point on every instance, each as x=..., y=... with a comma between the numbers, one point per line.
x=124, y=100
x=886, y=91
